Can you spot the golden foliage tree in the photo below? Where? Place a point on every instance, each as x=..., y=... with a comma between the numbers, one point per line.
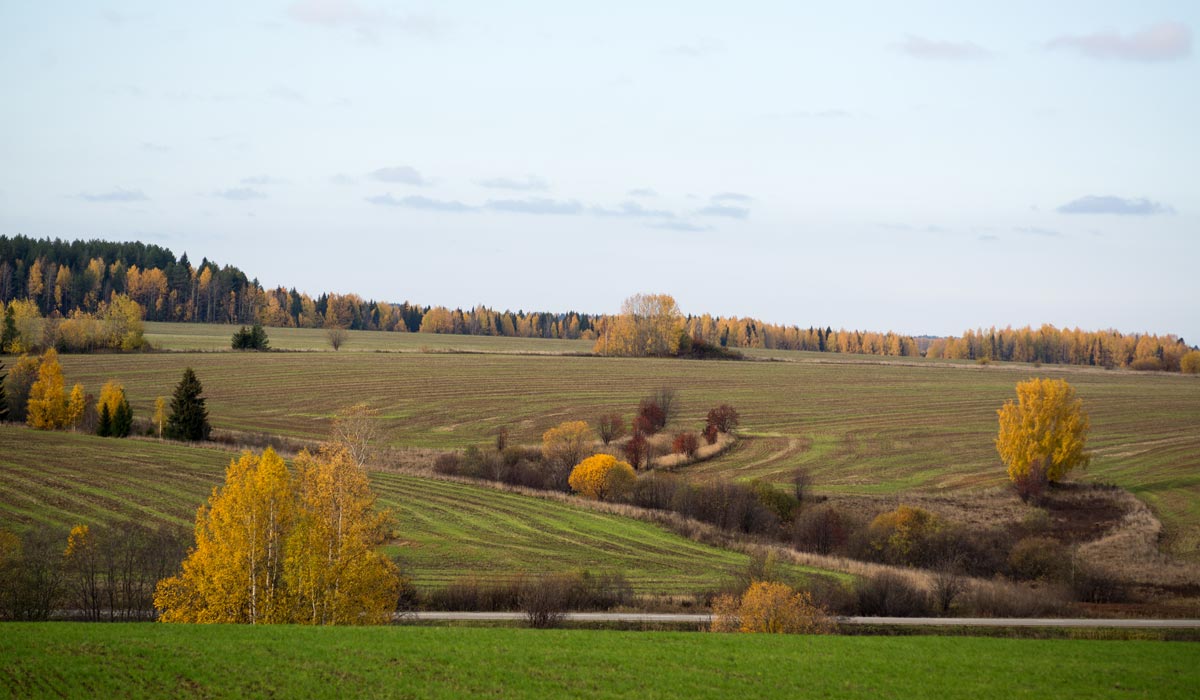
x=649, y=324
x=333, y=571
x=770, y=608
x=566, y=442
x=1043, y=434
x=76, y=405
x=273, y=549
x=1190, y=363
x=112, y=395
x=48, y=396
x=160, y=414
x=235, y=571
x=601, y=477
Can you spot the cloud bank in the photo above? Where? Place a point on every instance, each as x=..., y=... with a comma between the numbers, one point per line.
x=1120, y=206
x=938, y=50
x=1166, y=41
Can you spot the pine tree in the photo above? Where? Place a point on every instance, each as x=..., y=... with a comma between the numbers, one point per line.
x=9, y=334
x=3, y=396
x=189, y=417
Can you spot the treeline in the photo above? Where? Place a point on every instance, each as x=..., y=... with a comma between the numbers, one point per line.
x=1071, y=346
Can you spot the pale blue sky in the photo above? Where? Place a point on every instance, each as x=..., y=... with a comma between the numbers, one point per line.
x=919, y=166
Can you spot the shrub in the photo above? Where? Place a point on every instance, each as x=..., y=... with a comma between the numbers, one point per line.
x=446, y=463
x=780, y=503
x=1038, y=558
x=1093, y=585
x=609, y=427
x=890, y=595
x=710, y=434
x=545, y=600
x=1007, y=600
x=565, y=443
x=651, y=417
x=686, y=444
x=724, y=417
x=1190, y=363
x=823, y=530
x=635, y=450
x=771, y=608
x=601, y=477
x=899, y=536
x=1147, y=364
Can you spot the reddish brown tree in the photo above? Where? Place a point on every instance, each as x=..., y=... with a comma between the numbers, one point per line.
x=724, y=417
x=610, y=426
x=651, y=417
x=635, y=450
x=710, y=434
x=686, y=444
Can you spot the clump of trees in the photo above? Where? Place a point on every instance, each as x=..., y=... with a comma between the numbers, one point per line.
x=649, y=325
x=252, y=338
x=114, y=325
x=115, y=418
x=188, y=419
x=272, y=547
x=1043, y=435
x=49, y=406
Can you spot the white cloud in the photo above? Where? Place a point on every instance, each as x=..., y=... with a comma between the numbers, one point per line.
x=1166, y=41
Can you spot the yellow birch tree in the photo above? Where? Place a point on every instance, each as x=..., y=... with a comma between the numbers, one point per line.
x=1045, y=431
x=48, y=396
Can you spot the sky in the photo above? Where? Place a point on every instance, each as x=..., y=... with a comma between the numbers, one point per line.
x=923, y=167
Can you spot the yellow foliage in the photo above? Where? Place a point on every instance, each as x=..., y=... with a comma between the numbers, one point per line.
x=1190, y=363
x=602, y=477
x=771, y=608
x=565, y=443
x=112, y=394
x=48, y=397
x=898, y=532
x=160, y=410
x=649, y=324
x=1045, y=429
x=332, y=568
x=235, y=571
x=76, y=405
x=270, y=549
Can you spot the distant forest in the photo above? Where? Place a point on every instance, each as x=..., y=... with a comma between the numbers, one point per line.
x=63, y=277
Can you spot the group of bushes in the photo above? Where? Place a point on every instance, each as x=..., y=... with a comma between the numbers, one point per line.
x=539, y=596
x=116, y=325
x=95, y=573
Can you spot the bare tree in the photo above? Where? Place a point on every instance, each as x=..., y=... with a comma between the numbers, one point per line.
x=356, y=429
x=337, y=337
x=610, y=426
x=666, y=398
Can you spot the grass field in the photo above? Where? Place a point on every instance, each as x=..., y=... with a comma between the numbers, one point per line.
x=444, y=530
x=150, y=661
x=860, y=426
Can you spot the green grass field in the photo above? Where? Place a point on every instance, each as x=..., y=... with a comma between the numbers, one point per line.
x=152, y=661
x=860, y=426
x=444, y=530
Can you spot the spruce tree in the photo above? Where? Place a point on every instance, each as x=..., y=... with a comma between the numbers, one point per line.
x=189, y=417
x=9, y=334
x=104, y=425
x=122, y=422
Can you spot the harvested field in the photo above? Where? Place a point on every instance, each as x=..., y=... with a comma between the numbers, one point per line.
x=443, y=530
x=859, y=427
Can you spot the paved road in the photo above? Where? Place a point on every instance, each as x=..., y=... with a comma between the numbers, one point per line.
x=904, y=621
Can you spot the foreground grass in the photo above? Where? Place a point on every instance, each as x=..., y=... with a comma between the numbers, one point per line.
x=442, y=530
x=148, y=660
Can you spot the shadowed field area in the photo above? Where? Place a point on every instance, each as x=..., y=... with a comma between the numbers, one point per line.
x=151, y=660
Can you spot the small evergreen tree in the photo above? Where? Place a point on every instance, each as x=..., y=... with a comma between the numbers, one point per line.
x=253, y=338
x=189, y=417
x=9, y=334
x=122, y=422
x=104, y=426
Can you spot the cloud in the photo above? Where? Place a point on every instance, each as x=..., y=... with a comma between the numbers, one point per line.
x=342, y=179
x=706, y=46
x=415, y=202
x=937, y=50
x=239, y=194
x=731, y=197
x=686, y=226
x=529, y=183
x=642, y=192
x=263, y=180
x=729, y=212
x=1166, y=41
x=120, y=194
x=402, y=174
x=633, y=210
x=1093, y=204
x=1035, y=231
x=367, y=22
x=536, y=205
x=154, y=147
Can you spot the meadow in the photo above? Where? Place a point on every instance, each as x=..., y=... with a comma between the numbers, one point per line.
x=443, y=530
x=859, y=425
x=147, y=660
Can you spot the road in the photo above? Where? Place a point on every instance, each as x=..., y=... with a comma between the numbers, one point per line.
x=901, y=621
